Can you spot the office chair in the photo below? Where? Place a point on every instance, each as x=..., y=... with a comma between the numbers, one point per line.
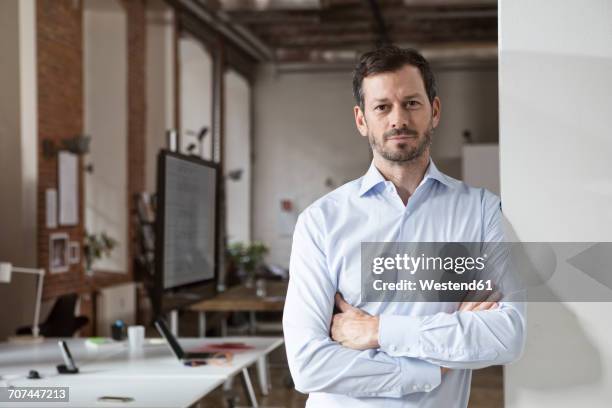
x=61, y=321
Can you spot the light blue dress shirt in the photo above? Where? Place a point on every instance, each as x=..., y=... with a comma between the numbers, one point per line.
x=416, y=338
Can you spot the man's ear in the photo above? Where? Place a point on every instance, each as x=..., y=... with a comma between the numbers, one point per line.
x=436, y=111
x=360, y=121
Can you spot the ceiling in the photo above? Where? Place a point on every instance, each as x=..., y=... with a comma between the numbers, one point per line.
x=336, y=31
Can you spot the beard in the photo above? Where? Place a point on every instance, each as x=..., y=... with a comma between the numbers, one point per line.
x=404, y=151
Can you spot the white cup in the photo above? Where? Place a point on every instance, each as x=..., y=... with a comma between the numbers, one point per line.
x=5, y=272
x=136, y=337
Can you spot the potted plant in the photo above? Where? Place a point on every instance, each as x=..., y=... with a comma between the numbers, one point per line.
x=247, y=258
x=96, y=246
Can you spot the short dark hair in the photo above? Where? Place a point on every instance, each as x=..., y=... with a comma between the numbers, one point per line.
x=389, y=59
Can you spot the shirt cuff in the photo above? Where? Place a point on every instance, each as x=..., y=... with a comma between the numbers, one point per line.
x=399, y=335
x=428, y=378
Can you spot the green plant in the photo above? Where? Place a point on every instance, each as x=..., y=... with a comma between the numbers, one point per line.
x=247, y=256
x=96, y=246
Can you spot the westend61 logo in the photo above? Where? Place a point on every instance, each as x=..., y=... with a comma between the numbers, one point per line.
x=413, y=264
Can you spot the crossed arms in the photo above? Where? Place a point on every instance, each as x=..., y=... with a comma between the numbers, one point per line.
x=386, y=355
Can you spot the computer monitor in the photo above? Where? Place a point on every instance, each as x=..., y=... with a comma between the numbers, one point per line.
x=186, y=222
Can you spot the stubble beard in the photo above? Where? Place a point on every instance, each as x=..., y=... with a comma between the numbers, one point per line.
x=403, y=153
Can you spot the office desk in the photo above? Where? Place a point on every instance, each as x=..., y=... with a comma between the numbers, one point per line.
x=153, y=392
x=152, y=372
x=242, y=299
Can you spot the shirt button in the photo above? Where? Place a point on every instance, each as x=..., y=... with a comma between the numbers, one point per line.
x=427, y=387
x=415, y=387
x=392, y=347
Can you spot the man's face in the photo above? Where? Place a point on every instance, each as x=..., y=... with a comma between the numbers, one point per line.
x=397, y=118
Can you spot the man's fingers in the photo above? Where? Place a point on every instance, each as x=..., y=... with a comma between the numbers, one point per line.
x=467, y=306
x=334, y=329
x=341, y=304
x=478, y=296
x=490, y=303
x=485, y=306
x=494, y=297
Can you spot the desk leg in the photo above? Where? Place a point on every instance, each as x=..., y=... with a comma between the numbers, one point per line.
x=248, y=387
x=252, y=323
x=224, y=324
x=263, y=374
x=174, y=324
x=228, y=384
x=202, y=324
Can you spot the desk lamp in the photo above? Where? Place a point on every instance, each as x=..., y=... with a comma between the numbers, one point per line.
x=6, y=270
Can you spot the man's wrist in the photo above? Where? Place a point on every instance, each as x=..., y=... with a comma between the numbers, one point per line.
x=375, y=323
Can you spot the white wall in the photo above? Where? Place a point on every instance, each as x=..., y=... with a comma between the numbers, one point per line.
x=469, y=102
x=480, y=166
x=105, y=100
x=18, y=157
x=305, y=133
x=555, y=144
x=195, y=76
x=160, y=84
x=238, y=156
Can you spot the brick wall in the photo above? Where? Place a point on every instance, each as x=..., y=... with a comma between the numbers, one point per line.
x=136, y=29
x=60, y=116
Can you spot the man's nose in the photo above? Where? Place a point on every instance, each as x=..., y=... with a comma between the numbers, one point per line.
x=399, y=118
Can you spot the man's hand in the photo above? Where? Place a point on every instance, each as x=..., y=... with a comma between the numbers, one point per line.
x=354, y=328
x=481, y=302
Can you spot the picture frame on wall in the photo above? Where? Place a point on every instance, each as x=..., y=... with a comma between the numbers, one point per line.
x=59, y=252
x=74, y=254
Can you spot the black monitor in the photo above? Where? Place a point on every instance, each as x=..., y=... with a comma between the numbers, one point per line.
x=186, y=223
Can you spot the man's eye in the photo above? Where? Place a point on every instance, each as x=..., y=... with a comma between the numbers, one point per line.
x=380, y=108
x=413, y=104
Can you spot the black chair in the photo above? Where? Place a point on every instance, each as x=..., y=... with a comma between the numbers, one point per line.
x=61, y=321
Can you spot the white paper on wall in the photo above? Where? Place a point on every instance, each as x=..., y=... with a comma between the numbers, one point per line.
x=51, y=207
x=68, y=188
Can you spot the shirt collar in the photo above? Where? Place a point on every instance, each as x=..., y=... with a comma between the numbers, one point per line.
x=373, y=177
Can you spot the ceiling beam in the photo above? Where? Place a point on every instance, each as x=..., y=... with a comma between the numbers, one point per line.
x=240, y=38
x=449, y=3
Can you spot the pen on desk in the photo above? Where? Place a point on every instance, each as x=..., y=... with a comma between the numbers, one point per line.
x=115, y=399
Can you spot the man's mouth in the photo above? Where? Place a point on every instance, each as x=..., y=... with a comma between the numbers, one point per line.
x=401, y=137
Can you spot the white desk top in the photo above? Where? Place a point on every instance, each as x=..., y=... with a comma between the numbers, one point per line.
x=156, y=360
x=149, y=375
x=146, y=392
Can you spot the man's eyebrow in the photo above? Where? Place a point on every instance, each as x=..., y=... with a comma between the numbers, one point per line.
x=412, y=96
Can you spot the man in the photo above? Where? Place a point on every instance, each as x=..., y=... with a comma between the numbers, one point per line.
x=392, y=354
